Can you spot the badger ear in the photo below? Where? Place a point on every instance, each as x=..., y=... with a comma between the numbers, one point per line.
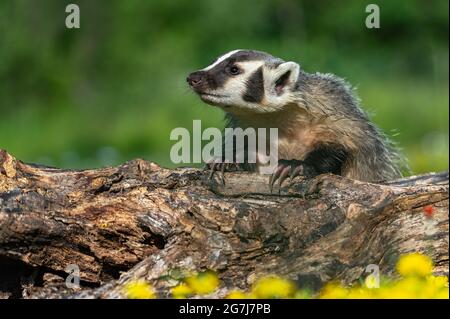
x=286, y=75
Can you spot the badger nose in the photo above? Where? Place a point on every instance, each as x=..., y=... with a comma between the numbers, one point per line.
x=195, y=79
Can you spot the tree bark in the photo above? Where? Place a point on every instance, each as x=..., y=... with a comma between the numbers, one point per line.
x=142, y=221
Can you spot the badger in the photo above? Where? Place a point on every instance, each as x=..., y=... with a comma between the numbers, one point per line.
x=321, y=126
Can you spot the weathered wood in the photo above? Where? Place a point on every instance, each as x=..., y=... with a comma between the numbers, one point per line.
x=140, y=220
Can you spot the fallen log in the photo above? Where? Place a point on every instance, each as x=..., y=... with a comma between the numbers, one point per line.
x=142, y=221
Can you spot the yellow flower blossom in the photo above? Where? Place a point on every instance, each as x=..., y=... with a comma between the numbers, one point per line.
x=436, y=287
x=438, y=281
x=182, y=291
x=417, y=282
x=203, y=283
x=361, y=293
x=443, y=294
x=333, y=291
x=273, y=287
x=414, y=265
x=406, y=288
x=236, y=294
x=139, y=290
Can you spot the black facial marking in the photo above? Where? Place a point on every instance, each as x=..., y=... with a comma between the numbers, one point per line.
x=217, y=76
x=327, y=158
x=255, y=87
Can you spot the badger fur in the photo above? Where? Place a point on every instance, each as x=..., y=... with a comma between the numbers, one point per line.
x=321, y=127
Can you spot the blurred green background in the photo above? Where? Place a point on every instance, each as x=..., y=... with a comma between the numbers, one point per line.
x=115, y=88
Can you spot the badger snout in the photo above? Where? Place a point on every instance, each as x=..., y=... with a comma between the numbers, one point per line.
x=197, y=80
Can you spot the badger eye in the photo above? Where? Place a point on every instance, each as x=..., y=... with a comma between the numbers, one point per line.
x=234, y=70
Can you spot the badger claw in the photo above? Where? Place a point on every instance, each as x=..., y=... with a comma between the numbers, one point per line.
x=285, y=169
x=222, y=167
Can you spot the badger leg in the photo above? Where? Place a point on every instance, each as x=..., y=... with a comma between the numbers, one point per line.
x=291, y=169
x=325, y=158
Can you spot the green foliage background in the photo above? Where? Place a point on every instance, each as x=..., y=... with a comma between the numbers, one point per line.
x=115, y=88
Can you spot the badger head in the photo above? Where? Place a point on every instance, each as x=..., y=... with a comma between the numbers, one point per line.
x=246, y=80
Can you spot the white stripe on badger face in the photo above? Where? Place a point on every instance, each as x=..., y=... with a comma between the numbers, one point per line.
x=250, y=66
x=220, y=59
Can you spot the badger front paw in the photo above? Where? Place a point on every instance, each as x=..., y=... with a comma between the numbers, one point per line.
x=291, y=169
x=217, y=165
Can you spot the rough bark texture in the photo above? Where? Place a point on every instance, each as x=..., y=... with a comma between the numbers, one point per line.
x=142, y=221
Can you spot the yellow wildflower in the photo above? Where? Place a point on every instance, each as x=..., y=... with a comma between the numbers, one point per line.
x=435, y=287
x=333, y=291
x=360, y=293
x=443, y=294
x=406, y=288
x=182, y=291
x=414, y=265
x=438, y=281
x=203, y=283
x=236, y=294
x=139, y=290
x=273, y=287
